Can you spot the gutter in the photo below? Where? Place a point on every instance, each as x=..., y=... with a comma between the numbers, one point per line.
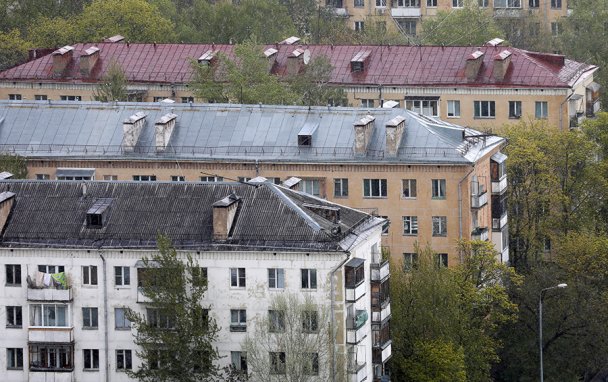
x=333, y=314
x=460, y=202
x=561, y=114
x=105, y=317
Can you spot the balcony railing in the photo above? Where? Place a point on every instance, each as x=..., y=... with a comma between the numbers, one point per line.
x=480, y=234
x=380, y=299
x=380, y=271
x=379, y=316
x=356, y=328
x=50, y=334
x=381, y=354
x=355, y=365
x=355, y=292
x=478, y=201
x=406, y=12
x=498, y=223
x=499, y=186
x=49, y=294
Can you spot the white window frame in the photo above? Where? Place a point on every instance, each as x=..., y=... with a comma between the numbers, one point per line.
x=541, y=109
x=367, y=102
x=311, y=186
x=212, y=179
x=442, y=260
x=238, y=359
x=410, y=260
x=308, y=278
x=409, y=189
x=341, y=188
x=70, y=98
x=489, y=112
x=40, y=315
x=410, y=225
x=178, y=178
x=14, y=270
x=127, y=359
x=423, y=106
x=438, y=189
x=368, y=188
x=238, y=277
x=14, y=358
x=386, y=226
x=15, y=97
x=440, y=226
x=276, y=278
x=41, y=97
x=238, y=320
x=122, y=276
x=110, y=177
x=144, y=178
x=90, y=317
x=14, y=313
x=454, y=108
x=124, y=322
x=93, y=358
x=515, y=109
x=89, y=275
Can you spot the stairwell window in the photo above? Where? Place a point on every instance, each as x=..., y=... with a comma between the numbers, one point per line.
x=374, y=188
x=484, y=109
x=541, y=110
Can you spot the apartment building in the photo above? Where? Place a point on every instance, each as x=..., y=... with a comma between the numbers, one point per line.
x=478, y=87
x=435, y=181
x=407, y=15
x=71, y=266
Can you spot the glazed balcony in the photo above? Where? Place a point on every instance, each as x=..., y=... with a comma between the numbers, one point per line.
x=380, y=271
x=499, y=186
x=382, y=314
x=480, y=233
x=498, y=223
x=409, y=12
x=356, y=328
x=382, y=353
x=478, y=201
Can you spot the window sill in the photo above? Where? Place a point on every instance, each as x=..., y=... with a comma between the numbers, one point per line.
x=122, y=286
x=453, y=116
x=408, y=198
x=14, y=368
x=438, y=198
x=309, y=289
x=340, y=197
x=90, y=328
x=90, y=370
x=122, y=329
x=14, y=326
x=444, y=235
x=492, y=117
x=13, y=285
x=410, y=234
x=237, y=288
x=374, y=197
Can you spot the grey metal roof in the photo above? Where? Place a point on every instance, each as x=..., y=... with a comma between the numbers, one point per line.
x=93, y=130
x=54, y=214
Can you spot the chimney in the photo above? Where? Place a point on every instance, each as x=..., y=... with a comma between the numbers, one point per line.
x=291, y=183
x=116, y=38
x=208, y=58
x=7, y=199
x=501, y=65
x=88, y=59
x=474, y=61
x=295, y=61
x=61, y=59
x=131, y=128
x=290, y=41
x=360, y=61
x=271, y=55
x=224, y=212
x=394, y=133
x=163, y=130
x=363, y=134
x=495, y=42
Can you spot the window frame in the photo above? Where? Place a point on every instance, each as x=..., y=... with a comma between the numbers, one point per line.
x=42, y=319
x=420, y=106
x=238, y=280
x=410, y=261
x=90, y=318
x=308, y=278
x=541, y=109
x=241, y=356
x=178, y=178
x=411, y=186
x=276, y=278
x=386, y=225
x=89, y=274
x=119, y=275
x=14, y=270
x=238, y=320
x=489, y=113
x=368, y=188
x=124, y=357
x=411, y=222
x=14, y=316
x=93, y=359
x=311, y=186
x=144, y=178
x=211, y=178
x=442, y=260
x=340, y=187
x=125, y=324
x=441, y=223
x=276, y=321
x=453, y=108
x=277, y=363
x=367, y=102
x=438, y=189
x=515, y=110
x=14, y=358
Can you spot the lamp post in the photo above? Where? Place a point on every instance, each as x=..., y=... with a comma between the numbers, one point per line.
x=540, y=325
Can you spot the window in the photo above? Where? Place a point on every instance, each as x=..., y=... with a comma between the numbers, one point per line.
x=454, y=109
x=311, y=186
x=514, y=109
x=386, y=225
x=533, y=3
x=51, y=357
x=354, y=275
x=409, y=188
x=457, y=3
x=14, y=97
x=309, y=278
x=70, y=177
x=159, y=319
x=277, y=363
x=482, y=3
x=144, y=178
x=14, y=358
x=312, y=364
x=410, y=261
x=70, y=98
x=14, y=317
x=238, y=320
x=13, y=274
x=423, y=106
x=367, y=103
x=442, y=260
x=89, y=273
x=341, y=188
x=110, y=177
x=244, y=179
x=178, y=178
x=407, y=3
x=540, y=110
x=507, y=3
x=214, y=178
x=158, y=99
x=89, y=318
x=359, y=3
x=380, y=3
x=534, y=29
x=485, y=109
x=91, y=359
x=410, y=225
x=51, y=268
x=199, y=275
x=554, y=29
x=187, y=99
x=123, y=360
x=42, y=177
x=121, y=322
x=237, y=277
x=239, y=360
x=440, y=226
x=438, y=188
x=431, y=3
x=40, y=97
x=276, y=321
x=556, y=4
x=49, y=315
x=122, y=276
x=374, y=188
x=408, y=26
x=276, y=278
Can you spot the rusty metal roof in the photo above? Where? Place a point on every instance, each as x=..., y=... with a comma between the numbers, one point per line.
x=416, y=66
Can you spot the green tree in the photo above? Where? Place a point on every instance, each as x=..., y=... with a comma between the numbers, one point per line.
x=136, y=20
x=52, y=32
x=207, y=84
x=298, y=329
x=175, y=336
x=436, y=361
x=470, y=25
x=15, y=164
x=313, y=84
x=113, y=86
x=13, y=49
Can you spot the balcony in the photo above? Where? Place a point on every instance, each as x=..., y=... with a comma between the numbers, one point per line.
x=49, y=294
x=411, y=12
x=356, y=292
x=356, y=330
x=141, y=297
x=511, y=13
x=480, y=233
x=498, y=223
x=356, y=364
x=50, y=334
x=380, y=271
x=382, y=314
x=381, y=354
x=498, y=187
x=478, y=201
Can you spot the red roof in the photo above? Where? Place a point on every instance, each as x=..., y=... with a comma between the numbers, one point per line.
x=386, y=65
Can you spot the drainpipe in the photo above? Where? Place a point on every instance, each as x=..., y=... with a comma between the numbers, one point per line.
x=561, y=114
x=460, y=202
x=333, y=317
x=105, y=317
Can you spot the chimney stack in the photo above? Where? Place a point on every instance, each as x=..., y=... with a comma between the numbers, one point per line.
x=61, y=59
x=114, y=39
x=364, y=129
x=131, y=130
x=224, y=212
x=473, y=64
x=163, y=130
x=88, y=59
x=394, y=134
x=295, y=61
x=501, y=65
x=271, y=55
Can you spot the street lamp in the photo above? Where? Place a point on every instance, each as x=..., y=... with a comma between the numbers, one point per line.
x=540, y=324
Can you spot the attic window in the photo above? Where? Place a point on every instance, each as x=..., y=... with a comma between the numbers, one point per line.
x=207, y=57
x=357, y=63
x=306, y=133
x=327, y=212
x=97, y=215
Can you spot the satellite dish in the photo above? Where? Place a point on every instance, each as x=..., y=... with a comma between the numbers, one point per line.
x=306, y=57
